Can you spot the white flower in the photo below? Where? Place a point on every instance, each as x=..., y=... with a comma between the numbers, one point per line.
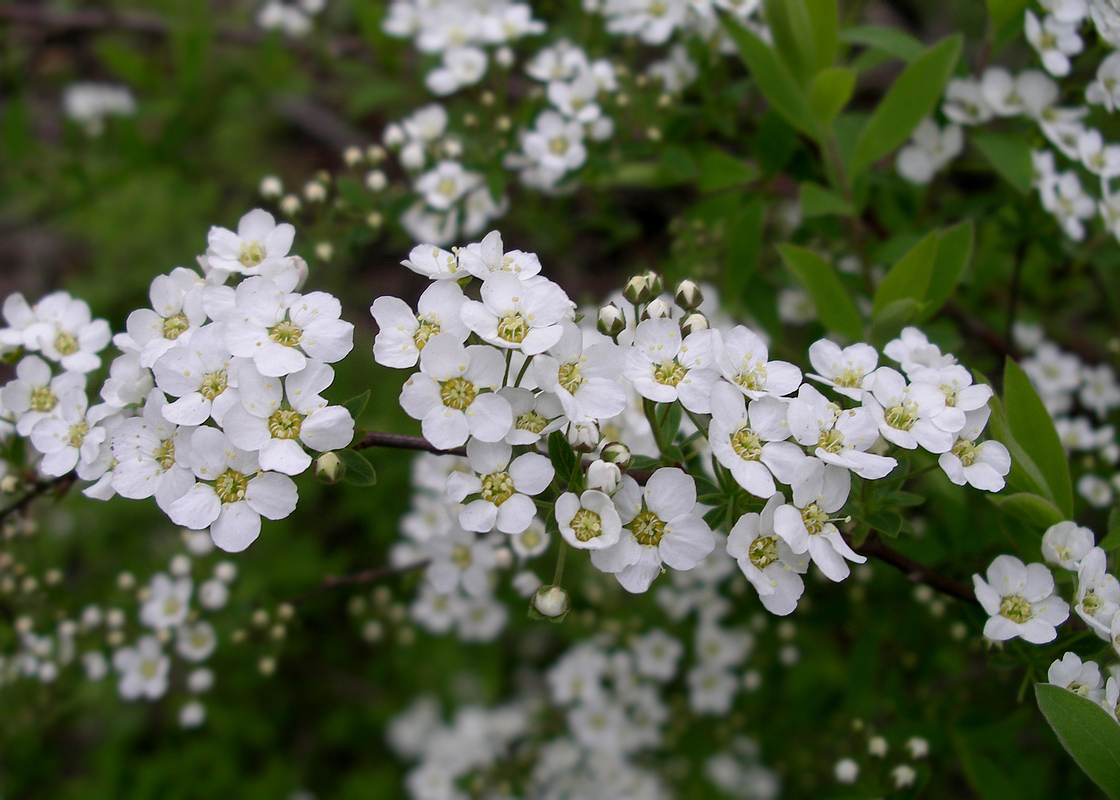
x=664, y=368
x=930, y=149
x=263, y=421
x=484, y=258
x=838, y=437
x=433, y=262
x=1065, y=544
x=1105, y=90
x=168, y=602
x=446, y=184
x=196, y=642
x=1080, y=678
x=749, y=441
x=652, y=22
x=555, y=145
x=1020, y=600
x=239, y=495
x=447, y=394
x=462, y=66
x=516, y=314
x=72, y=436
x=965, y=103
x=912, y=413
x=955, y=382
x=767, y=560
x=575, y=99
x=198, y=373
x=153, y=455
x=1031, y=92
x=1055, y=41
x=589, y=521
x=176, y=311
x=677, y=72
x=259, y=241
x=711, y=689
x=403, y=334
x=847, y=370
x=1097, y=156
x=534, y=415
x=661, y=526
x=742, y=358
x=585, y=379
x=34, y=393
x=63, y=332
x=461, y=558
x=426, y=124
x=88, y=104
x=143, y=669
x=982, y=465
x=656, y=655
x=1098, y=593
x=128, y=382
x=810, y=529
x=504, y=487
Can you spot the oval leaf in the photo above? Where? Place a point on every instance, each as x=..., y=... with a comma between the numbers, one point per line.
x=1086, y=731
x=909, y=278
x=834, y=305
x=1034, y=431
x=358, y=469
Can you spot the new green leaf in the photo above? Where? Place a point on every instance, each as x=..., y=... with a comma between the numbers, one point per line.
x=898, y=44
x=1086, y=731
x=359, y=471
x=834, y=305
x=910, y=99
x=1009, y=155
x=910, y=277
x=829, y=92
x=954, y=251
x=1034, y=430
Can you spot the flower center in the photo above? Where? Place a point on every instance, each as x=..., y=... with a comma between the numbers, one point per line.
x=512, y=327
x=213, y=384
x=558, y=146
x=77, y=433
x=1016, y=608
x=171, y=606
x=530, y=538
x=747, y=444
x=284, y=424
x=1092, y=603
x=831, y=441
x=753, y=380
x=903, y=416
x=174, y=326
x=531, y=421
x=447, y=187
x=1079, y=688
x=457, y=393
x=814, y=518
x=648, y=529
x=965, y=451
x=849, y=378
x=231, y=486
x=164, y=455
x=570, y=376
x=461, y=556
x=148, y=669
x=286, y=333
x=587, y=525
x=252, y=253
x=668, y=372
x=426, y=330
x=43, y=398
x=950, y=395
x=65, y=343
x=763, y=551
x=497, y=487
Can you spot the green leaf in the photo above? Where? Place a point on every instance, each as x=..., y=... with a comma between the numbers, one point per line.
x=356, y=405
x=1086, y=731
x=719, y=170
x=954, y=251
x=127, y=63
x=910, y=99
x=909, y=278
x=564, y=458
x=817, y=201
x=773, y=79
x=1111, y=541
x=829, y=92
x=888, y=523
x=824, y=17
x=1038, y=512
x=835, y=308
x=1004, y=11
x=670, y=424
x=678, y=163
x=1034, y=431
x=903, y=499
x=359, y=471
x=1009, y=155
x=744, y=242
x=888, y=322
x=895, y=42
x=1025, y=476
x=792, y=34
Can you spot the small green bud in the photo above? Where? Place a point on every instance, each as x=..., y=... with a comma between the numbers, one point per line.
x=551, y=602
x=656, y=285
x=694, y=322
x=637, y=290
x=329, y=468
x=612, y=322
x=616, y=453
x=688, y=296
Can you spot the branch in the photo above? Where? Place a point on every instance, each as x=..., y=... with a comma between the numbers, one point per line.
x=914, y=571
x=368, y=576
x=400, y=441
x=39, y=488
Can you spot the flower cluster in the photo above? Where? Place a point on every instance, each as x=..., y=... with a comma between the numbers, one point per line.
x=215, y=400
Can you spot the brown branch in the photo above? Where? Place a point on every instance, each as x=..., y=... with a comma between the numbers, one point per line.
x=400, y=441
x=367, y=576
x=39, y=488
x=95, y=21
x=914, y=571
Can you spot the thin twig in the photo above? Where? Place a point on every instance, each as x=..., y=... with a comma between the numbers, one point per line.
x=367, y=576
x=58, y=485
x=914, y=571
x=400, y=441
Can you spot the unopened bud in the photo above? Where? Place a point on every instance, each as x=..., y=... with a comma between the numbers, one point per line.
x=637, y=290
x=353, y=156
x=393, y=136
x=656, y=285
x=412, y=156
x=551, y=602
x=612, y=322
x=271, y=187
x=315, y=192
x=376, y=180
x=657, y=309
x=329, y=468
x=694, y=322
x=688, y=296
x=375, y=154
x=583, y=436
x=290, y=205
x=324, y=251
x=616, y=453
x=603, y=477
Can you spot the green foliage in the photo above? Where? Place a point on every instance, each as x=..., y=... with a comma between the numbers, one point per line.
x=359, y=471
x=909, y=278
x=1086, y=731
x=1009, y=155
x=834, y=304
x=1034, y=431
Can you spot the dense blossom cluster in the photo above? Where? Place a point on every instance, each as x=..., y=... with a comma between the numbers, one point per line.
x=215, y=399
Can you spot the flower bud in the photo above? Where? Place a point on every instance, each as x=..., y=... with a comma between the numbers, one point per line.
x=694, y=322
x=412, y=156
x=637, y=290
x=604, y=477
x=393, y=136
x=616, y=453
x=612, y=322
x=375, y=154
x=552, y=602
x=376, y=180
x=656, y=285
x=657, y=309
x=315, y=192
x=583, y=436
x=688, y=296
x=329, y=468
x=290, y=205
x=324, y=251
x=271, y=187
x=353, y=156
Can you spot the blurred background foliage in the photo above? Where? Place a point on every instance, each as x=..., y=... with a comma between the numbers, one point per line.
x=221, y=106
